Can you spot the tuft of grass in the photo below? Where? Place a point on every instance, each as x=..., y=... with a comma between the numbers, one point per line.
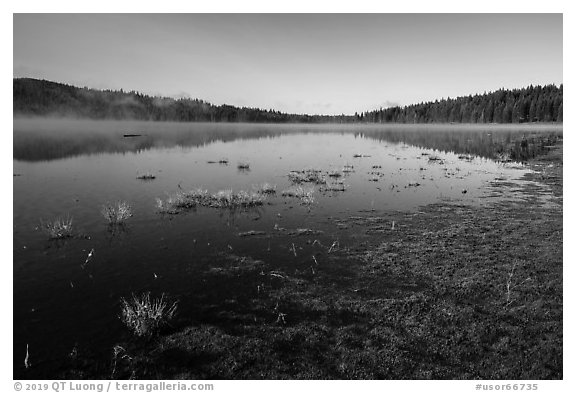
x=185, y=200
x=117, y=214
x=307, y=176
x=265, y=189
x=227, y=199
x=336, y=185
x=348, y=168
x=60, y=228
x=145, y=176
x=182, y=200
x=146, y=316
x=306, y=195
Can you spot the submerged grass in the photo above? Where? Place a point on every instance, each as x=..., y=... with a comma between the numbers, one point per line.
x=59, y=228
x=146, y=316
x=117, y=214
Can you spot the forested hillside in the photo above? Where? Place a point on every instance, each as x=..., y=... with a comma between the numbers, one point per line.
x=531, y=104
x=33, y=97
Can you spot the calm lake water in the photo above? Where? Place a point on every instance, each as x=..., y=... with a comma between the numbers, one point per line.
x=72, y=168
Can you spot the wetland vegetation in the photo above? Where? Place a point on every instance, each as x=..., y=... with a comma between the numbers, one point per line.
x=442, y=258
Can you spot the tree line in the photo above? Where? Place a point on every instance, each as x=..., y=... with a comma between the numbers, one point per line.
x=530, y=104
x=34, y=97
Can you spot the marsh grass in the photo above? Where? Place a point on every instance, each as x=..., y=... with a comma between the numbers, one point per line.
x=186, y=200
x=228, y=199
x=60, y=228
x=117, y=214
x=307, y=176
x=348, y=168
x=334, y=185
x=306, y=195
x=145, y=176
x=182, y=200
x=265, y=189
x=146, y=316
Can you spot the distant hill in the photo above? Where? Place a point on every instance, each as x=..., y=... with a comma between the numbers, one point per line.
x=34, y=97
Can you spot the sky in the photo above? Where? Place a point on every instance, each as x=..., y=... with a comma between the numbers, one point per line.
x=296, y=63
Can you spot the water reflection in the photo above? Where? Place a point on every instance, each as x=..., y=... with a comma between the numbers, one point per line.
x=48, y=139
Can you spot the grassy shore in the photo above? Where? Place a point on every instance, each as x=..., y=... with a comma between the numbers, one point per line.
x=452, y=291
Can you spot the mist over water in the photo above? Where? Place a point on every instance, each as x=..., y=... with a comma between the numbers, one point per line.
x=43, y=139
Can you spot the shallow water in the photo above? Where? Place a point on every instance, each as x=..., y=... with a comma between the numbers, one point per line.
x=73, y=168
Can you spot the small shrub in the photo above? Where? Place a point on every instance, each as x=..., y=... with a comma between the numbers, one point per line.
x=60, y=228
x=146, y=316
x=117, y=214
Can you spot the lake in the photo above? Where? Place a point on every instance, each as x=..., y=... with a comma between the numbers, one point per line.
x=65, y=302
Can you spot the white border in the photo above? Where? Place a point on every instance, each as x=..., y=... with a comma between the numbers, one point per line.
x=303, y=6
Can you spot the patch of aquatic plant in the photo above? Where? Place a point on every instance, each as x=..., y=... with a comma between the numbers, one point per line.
x=251, y=233
x=60, y=228
x=117, y=214
x=265, y=188
x=228, y=199
x=306, y=195
x=435, y=159
x=334, y=185
x=185, y=200
x=307, y=176
x=146, y=316
x=348, y=168
x=182, y=200
x=145, y=176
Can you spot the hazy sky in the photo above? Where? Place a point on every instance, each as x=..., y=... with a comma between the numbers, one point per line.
x=298, y=63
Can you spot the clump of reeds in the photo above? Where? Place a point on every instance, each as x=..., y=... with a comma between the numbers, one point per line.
x=146, y=316
x=335, y=185
x=117, y=214
x=182, y=200
x=228, y=199
x=306, y=196
x=307, y=176
x=265, y=188
x=60, y=228
x=145, y=176
x=348, y=168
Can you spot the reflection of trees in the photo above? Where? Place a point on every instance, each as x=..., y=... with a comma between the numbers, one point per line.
x=519, y=145
x=42, y=145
